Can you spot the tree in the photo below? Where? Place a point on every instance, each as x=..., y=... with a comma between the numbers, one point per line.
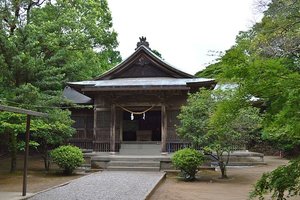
x=278, y=32
x=45, y=44
x=12, y=124
x=264, y=62
x=48, y=132
x=264, y=67
x=212, y=71
x=283, y=182
x=51, y=132
x=218, y=121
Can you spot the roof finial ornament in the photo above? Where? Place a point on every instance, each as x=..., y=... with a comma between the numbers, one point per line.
x=142, y=42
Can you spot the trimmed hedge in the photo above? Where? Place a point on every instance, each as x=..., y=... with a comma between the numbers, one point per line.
x=187, y=160
x=67, y=157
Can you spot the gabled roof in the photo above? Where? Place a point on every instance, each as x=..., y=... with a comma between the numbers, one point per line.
x=143, y=63
x=143, y=70
x=76, y=97
x=148, y=83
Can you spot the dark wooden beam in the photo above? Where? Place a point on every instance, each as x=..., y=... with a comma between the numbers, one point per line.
x=163, y=128
x=102, y=109
x=135, y=104
x=143, y=88
x=95, y=124
x=22, y=111
x=26, y=155
x=113, y=129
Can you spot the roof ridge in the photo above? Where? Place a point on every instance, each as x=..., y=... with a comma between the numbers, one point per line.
x=165, y=66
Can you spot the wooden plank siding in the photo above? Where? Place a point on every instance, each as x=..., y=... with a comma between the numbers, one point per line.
x=100, y=128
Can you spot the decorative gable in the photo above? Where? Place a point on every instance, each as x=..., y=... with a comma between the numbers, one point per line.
x=142, y=67
x=143, y=63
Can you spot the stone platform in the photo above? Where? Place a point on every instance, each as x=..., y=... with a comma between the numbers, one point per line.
x=158, y=162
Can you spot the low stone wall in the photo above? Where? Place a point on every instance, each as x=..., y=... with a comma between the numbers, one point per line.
x=237, y=158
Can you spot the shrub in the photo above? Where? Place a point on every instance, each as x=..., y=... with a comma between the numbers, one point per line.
x=187, y=160
x=67, y=157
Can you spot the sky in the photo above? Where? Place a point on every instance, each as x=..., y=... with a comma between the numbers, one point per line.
x=184, y=32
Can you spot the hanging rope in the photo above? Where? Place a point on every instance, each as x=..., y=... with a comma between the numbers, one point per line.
x=136, y=113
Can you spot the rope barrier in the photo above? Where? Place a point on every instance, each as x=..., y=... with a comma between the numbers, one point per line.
x=136, y=113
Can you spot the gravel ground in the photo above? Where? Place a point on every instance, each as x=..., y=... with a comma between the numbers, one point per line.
x=107, y=185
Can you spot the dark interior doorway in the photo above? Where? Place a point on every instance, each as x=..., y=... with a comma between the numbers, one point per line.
x=139, y=129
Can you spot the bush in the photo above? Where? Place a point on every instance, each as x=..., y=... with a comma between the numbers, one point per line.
x=67, y=157
x=187, y=160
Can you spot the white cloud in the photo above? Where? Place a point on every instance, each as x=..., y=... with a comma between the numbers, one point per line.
x=182, y=31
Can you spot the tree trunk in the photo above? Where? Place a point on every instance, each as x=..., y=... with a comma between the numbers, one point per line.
x=223, y=169
x=46, y=163
x=13, y=152
x=280, y=195
x=46, y=158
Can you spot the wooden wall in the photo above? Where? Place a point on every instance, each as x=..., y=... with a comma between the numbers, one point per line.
x=83, y=137
x=94, y=125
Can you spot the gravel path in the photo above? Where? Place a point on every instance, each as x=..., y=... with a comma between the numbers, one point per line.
x=107, y=185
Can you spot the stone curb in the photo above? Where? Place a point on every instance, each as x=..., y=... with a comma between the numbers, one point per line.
x=159, y=182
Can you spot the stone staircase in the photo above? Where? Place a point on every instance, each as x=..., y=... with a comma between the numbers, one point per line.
x=133, y=165
x=139, y=159
x=140, y=149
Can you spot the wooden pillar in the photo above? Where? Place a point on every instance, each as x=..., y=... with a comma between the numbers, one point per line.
x=95, y=125
x=121, y=126
x=113, y=129
x=163, y=129
x=26, y=155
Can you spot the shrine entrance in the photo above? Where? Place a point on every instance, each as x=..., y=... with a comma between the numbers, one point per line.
x=141, y=128
x=142, y=84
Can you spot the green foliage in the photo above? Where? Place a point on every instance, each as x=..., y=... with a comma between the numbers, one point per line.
x=187, y=160
x=32, y=144
x=55, y=129
x=12, y=124
x=211, y=71
x=45, y=44
x=52, y=131
x=67, y=157
x=156, y=53
x=278, y=32
x=194, y=117
x=283, y=182
x=219, y=121
x=264, y=62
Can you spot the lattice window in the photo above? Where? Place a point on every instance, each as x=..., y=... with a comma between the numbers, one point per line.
x=172, y=117
x=89, y=122
x=79, y=121
x=103, y=119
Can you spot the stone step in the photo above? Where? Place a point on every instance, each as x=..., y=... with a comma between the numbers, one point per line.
x=140, y=146
x=140, y=149
x=140, y=152
x=240, y=163
x=86, y=165
x=86, y=151
x=134, y=163
x=134, y=158
x=123, y=168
